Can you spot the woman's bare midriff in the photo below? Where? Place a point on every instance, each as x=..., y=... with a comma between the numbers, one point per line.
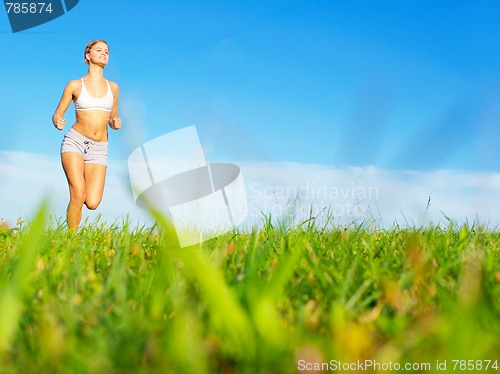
x=93, y=124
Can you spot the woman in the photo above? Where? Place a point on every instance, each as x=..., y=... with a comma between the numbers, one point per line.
x=84, y=150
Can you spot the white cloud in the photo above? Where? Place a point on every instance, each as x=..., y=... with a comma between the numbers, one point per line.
x=280, y=188
x=27, y=179
x=367, y=193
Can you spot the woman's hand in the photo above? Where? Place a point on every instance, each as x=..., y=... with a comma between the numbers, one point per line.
x=115, y=123
x=59, y=123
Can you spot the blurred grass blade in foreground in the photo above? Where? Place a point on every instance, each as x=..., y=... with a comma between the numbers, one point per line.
x=14, y=283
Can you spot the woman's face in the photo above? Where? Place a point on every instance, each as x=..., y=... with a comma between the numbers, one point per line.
x=99, y=54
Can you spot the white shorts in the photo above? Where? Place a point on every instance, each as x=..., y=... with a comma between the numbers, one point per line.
x=92, y=152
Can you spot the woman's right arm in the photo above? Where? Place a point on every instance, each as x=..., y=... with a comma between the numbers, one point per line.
x=58, y=118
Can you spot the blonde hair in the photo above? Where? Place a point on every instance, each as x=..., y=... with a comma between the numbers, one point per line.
x=89, y=47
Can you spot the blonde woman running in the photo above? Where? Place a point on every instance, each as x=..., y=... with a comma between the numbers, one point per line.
x=84, y=150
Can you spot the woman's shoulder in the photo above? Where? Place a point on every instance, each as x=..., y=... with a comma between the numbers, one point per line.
x=113, y=84
x=114, y=87
x=75, y=83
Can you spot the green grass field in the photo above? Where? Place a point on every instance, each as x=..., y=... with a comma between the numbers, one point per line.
x=278, y=299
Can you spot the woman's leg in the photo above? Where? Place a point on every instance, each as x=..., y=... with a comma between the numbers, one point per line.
x=95, y=176
x=73, y=166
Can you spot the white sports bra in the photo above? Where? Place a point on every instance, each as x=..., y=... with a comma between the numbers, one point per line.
x=87, y=102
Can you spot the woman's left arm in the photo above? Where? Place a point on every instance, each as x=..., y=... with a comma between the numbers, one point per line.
x=115, y=122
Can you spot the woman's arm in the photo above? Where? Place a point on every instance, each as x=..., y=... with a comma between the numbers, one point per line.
x=115, y=122
x=58, y=118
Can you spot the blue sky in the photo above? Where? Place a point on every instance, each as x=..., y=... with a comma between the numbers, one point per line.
x=388, y=84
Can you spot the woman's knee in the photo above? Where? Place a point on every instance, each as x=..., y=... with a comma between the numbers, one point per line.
x=77, y=195
x=92, y=202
